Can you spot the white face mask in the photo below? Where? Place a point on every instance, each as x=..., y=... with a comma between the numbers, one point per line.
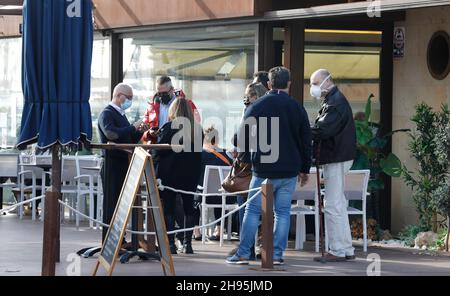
x=316, y=90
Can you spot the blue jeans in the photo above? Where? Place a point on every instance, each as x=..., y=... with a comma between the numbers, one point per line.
x=283, y=190
x=241, y=200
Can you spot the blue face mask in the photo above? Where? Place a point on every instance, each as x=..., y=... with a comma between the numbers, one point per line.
x=126, y=105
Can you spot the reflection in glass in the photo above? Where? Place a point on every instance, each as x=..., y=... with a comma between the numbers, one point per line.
x=212, y=65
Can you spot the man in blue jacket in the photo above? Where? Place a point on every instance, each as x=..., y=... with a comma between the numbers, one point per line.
x=277, y=132
x=114, y=126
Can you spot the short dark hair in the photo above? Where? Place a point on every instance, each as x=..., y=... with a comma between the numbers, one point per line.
x=262, y=77
x=279, y=77
x=163, y=80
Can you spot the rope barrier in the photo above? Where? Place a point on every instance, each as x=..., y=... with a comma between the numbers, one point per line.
x=174, y=231
x=20, y=204
x=161, y=187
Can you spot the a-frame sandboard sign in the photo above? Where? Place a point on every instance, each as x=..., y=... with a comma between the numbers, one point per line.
x=141, y=165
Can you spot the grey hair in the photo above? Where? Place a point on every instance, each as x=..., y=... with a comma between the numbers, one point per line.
x=122, y=88
x=323, y=74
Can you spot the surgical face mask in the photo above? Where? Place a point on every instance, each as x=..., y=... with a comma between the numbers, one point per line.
x=127, y=104
x=316, y=90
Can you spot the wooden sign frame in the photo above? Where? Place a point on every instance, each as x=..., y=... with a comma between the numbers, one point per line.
x=141, y=165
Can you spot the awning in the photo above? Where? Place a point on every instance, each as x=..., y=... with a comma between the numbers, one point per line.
x=11, y=7
x=356, y=8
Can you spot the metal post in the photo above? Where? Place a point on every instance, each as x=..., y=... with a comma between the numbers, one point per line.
x=267, y=226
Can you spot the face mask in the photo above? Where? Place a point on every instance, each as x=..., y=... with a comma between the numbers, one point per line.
x=165, y=98
x=126, y=105
x=316, y=90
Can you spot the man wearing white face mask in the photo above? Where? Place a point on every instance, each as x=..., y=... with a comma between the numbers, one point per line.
x=113, y=126
x=335, y=132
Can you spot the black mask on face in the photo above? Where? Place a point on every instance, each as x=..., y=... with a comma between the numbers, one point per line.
x=165, y=98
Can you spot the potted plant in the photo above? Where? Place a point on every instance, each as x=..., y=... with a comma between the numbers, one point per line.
x=371, y=152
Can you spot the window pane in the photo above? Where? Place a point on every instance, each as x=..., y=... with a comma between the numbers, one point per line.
x=212, y=65
x=10, y=90
x=353, y=58
x=11, y=86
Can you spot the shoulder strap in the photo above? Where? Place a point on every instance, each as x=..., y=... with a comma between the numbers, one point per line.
x=220, y=156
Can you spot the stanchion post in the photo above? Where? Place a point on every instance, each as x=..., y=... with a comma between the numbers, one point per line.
x=267, y=225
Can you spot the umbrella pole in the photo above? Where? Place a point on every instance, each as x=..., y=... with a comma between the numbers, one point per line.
x=50, y=252
x=321, y=207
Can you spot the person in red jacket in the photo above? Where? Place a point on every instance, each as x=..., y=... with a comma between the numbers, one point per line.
x=157, y=111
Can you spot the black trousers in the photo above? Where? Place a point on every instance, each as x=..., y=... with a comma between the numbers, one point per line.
x=113, y=174
x=169, y=201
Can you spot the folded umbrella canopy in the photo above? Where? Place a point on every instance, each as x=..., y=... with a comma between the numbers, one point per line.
x=56, y=72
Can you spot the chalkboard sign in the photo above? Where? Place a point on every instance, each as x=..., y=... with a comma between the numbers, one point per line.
x=158, y=220
x=141, y=163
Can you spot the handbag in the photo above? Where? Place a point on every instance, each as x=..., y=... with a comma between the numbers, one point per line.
x=239, y=177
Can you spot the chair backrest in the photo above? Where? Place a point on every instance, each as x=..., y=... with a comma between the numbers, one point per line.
x=356, y=183
x=88, y=162
x=309, y=191
x=9, y=165
x=30, y=159
x=69, y=169
x=214, y=177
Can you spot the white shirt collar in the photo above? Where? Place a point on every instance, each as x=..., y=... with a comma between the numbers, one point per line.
x=118, y=109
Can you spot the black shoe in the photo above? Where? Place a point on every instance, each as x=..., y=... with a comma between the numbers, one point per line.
x=215, y=238
x=173, y=249
x=187, y=249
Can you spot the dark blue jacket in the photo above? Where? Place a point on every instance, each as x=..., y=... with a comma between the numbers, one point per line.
x=113, y=127
x=294, y=136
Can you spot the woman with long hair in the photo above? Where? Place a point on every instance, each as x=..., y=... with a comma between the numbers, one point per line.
x=179, y=169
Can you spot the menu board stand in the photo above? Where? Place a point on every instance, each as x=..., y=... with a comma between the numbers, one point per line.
x=141, y=165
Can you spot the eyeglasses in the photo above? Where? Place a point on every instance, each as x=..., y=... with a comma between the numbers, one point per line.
x=128, y=97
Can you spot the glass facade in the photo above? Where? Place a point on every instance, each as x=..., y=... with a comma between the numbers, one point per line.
x=212, y=65
x=11, y=97
x=352, y=57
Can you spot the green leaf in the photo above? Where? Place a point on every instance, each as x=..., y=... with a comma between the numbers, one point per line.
x=378, y=143
x=361, y=162
x=363, y=135
x=376, y=184
x=369, y=108
x=391, y=165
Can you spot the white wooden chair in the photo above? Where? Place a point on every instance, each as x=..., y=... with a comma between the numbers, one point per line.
x=356, y=184
x=355, y=189
x=81, y=182
x=32, y=173
x=9, y=170
x=212, y=183
x=300, y=210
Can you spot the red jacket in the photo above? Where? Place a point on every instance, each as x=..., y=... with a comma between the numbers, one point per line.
x=152, y=115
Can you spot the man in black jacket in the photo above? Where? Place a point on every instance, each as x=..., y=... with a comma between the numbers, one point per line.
x=280, y=147
x=335, y=133
x=114, y=126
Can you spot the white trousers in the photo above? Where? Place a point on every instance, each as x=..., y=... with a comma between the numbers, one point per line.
x=336, y=216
